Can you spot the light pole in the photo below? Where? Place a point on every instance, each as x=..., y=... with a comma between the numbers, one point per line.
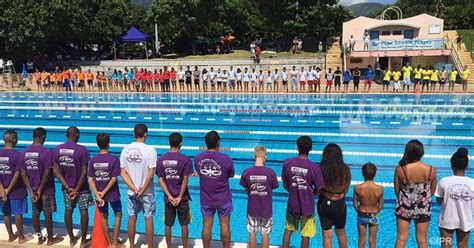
x=157, y=42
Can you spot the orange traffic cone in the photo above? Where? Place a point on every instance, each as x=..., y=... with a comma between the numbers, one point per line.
x=98, y=239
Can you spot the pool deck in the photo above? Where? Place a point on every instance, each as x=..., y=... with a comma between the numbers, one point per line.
x=140, y=239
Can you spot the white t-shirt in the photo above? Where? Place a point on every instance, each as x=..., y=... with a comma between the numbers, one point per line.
x=269, y=78
x=181, y=75
x=212, y=76
x=238, y=76
x=311, y=75
x=303, y=76
x=284, y=75
x=245, y=77
x=136, y=158
x=231, y=75
x=261, y=76
x=254, y=77
x=457, y=208
x=276, y=75
x=294, y=74
x=317, y=74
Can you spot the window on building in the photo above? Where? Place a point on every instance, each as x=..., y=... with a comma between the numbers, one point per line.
x=356, y=60
x=408, y=34
x=385, y=33
x=374, y=35
x=397, y=32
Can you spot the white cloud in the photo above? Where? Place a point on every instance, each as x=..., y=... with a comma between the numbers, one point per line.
x=350, y=2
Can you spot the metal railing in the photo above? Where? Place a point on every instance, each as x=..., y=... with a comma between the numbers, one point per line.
x=455, y=57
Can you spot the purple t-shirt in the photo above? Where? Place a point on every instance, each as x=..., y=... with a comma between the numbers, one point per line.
x=215, y=169
x=301, y=177
x=102, y=168
x=172, y=167
x=9, y=165
x=36, y=160
x=71, y=157
x=259, y=182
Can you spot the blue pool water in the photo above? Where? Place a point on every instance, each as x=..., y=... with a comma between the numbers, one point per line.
x=368, y=128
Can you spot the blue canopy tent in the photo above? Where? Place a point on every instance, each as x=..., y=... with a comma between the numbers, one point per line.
x=133, y=36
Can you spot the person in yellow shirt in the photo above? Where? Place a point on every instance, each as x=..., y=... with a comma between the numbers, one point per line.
x=434, y=79
x=417, y=78
x=386, y=80
x=465, y=76
x=426, y=74
x=407, y=70
x=452, y=79
x=396, y=76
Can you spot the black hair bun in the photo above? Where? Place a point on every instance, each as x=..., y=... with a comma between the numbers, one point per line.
x=461, y=153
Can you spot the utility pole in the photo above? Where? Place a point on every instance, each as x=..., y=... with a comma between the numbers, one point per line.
x=157, y=42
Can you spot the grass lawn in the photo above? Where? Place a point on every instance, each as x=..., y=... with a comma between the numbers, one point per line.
x=468, y=38
x=244, y=54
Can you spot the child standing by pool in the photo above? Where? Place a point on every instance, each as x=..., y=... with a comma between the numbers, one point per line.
x=269, y=81
x=173, y=169
x=259, y=182
x=37, y=163
x=102, y=176
x=12, y=189
x=70, y=162
x=456, y=195
x=302, y=179
x=368, y=201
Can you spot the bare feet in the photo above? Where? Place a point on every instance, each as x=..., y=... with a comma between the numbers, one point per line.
x=12, y=238
x=55, y=240
x=41, y=240
x=73, y=241
x=22, y=239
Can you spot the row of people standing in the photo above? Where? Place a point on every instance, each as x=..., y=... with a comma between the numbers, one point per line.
x=415, y=182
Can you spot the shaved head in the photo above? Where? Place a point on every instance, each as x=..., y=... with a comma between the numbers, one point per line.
x=72, y=133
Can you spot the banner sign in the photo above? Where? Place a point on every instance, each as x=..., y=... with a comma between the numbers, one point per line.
x=416, y=44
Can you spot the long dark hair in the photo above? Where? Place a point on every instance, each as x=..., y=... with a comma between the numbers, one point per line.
x=414, y=151
x=334, y=170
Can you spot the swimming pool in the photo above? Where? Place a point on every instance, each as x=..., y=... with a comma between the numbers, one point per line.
x=368, y=128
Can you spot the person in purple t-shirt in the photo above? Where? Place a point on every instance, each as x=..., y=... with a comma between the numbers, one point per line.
x=173, y=170
x=37, y=163
x=70, y=167
x=303, y=180
x=102, y=177
x=12, y=189
x=215, y=169
x=259, y=182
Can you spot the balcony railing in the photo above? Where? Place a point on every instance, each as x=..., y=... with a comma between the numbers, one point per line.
x=396, y=45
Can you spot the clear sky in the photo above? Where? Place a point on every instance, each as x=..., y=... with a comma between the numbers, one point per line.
x=349, y=2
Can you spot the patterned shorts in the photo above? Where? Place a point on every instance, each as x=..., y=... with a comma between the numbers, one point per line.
x=46, y=204
x=83, y=199
x=145, y=204
x=257, y=224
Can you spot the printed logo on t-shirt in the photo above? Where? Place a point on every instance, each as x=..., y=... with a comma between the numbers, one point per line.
x=170, y=169
x=134, y=156
x=101, y=172
x=31, y=161
x=258, y=185
x=298, y=178
x=65, y=158
x=461, y=192
x=209, y=168
x=4, y=166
